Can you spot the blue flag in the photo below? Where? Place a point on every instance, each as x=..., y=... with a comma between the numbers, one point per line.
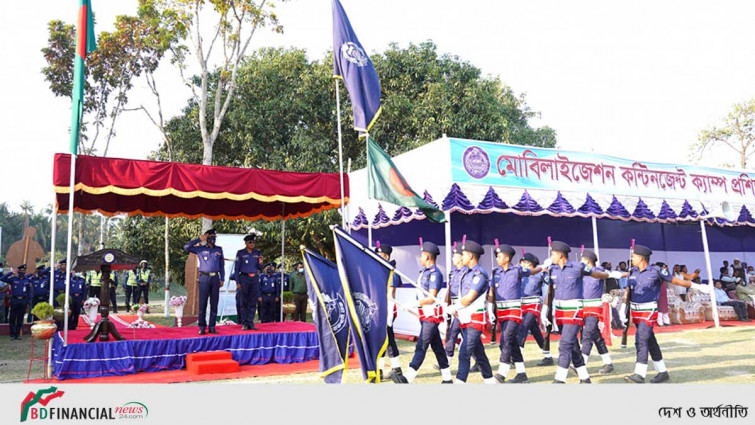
x=354, y=66
x=365, y=278
x=330, y=315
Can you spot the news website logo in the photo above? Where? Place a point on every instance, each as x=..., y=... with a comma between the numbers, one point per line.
x=35, y=407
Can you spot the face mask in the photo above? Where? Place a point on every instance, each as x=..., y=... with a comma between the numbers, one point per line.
x=301, y=269
x=211, y=239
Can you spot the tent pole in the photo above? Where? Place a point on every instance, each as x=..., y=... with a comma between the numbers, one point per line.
x=166, y=310
x=348, y=207
x=340, y=153
x=53, y=235
x=448, y=245
x=595, y=236
x=68, y=246
x=709, y=269
x=283, y=257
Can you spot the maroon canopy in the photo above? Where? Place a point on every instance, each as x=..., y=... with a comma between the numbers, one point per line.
x=150, y=188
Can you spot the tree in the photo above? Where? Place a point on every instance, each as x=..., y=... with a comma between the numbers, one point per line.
x=737, y=132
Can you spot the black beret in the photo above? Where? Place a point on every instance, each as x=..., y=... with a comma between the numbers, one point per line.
x=506, y=249
x=63, y=261
x=589, y=254
x=384, y=248
x=643, y=250
x=559, y=246
x=532, y=258
x=473, y=247
x=39, y=268
x=22, y=267
x=248, y=238
x=211, y=232
x=431, y=248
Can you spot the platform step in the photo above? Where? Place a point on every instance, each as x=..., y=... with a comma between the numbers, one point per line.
x=213, y=366
x=206, y=356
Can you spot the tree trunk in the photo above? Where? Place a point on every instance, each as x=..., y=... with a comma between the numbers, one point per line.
x=207, y=160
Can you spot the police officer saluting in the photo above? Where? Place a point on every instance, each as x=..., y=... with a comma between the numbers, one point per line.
x=21, y=296
x=211, y=276
x=568, y=278
x=645, y=281
x=269, y=294
x=247, y=266
x=40, y=287
x=592, y=304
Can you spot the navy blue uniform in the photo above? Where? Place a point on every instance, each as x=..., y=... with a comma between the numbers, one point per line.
x=454, y=284
x=593, y=290
x=59, y=286
x=269, y=291
x=40, y=287
x=247, y=273
x=284, y=287
x=430, y=278
x=78, y=292
x=471, y=346
x=532, y=287
x=211, y=273
x=392, y=349
x=646, y=287
x=21, y=298
x=507, y=290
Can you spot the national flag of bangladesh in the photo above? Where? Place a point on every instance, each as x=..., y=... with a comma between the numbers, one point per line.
x=85, y=43
x=385, y=183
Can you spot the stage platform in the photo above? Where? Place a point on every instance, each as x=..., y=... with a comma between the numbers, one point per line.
x=165, y=348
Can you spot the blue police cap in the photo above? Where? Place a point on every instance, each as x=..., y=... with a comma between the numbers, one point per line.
x=384, y=248
x=590, y=255
x=431, y=248
x=473, y=247
x=643, y=250
x=63, y=261
x=561, y=247
x=40, y=268
x=248, y=238
x=506, y=249
x=211, y=232
x=21, y=267
x=532, y=258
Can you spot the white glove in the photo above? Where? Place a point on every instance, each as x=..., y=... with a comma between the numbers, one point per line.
x=623, y=316
x=554, y=327
x=451, y=309
x=491, y=313
x=544, y=317
x=615, y=274
x=702, y=288
x=601, y=326
x=547, y=263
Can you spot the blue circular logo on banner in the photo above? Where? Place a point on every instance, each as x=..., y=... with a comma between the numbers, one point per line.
x=476, y=162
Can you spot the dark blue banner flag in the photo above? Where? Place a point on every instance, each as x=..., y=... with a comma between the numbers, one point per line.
x=329, y=313
x=365, y=278
x=354, y=66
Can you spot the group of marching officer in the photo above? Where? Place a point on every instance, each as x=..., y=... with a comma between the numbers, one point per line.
x=513, y=297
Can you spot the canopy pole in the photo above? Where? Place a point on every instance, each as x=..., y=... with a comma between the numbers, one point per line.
x=348, y=207
x=283, y=257
x=166, y=310
x=448, y=246
x=68, y=246
x=595, y=237
x=53, y=235
x=340, y=153
x=709, y=269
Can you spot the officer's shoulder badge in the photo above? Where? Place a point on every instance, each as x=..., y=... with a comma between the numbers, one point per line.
x=664, y=272
x=476, y=280
x=432, y=277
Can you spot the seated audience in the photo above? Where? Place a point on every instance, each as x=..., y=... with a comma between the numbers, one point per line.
x=723, y=299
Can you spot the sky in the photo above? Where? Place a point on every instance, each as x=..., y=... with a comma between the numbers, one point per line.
x=633, y=79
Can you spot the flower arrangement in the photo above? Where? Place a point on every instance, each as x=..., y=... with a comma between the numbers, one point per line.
x=141, y=324
x=176, y=301
x=228, y=322
x=140, y=307
x=91, y=302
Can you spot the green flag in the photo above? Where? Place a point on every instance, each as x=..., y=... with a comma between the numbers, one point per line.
x=385, y=183
x=85, y=43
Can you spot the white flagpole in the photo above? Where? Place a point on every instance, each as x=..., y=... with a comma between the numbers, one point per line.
x=283, y=255
x=595, y=236
x=348, y=207
x=367, y=169
x=68, y=246
x=166, y=310
x=709, y=269
x=340, y=153
x=53, y=235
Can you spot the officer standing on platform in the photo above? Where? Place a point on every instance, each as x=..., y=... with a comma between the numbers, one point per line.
x=21, y=297
x=592, y=304
x=283, y=285
x=132, y=288
x=568, y=278
x=269, y=294
x=211, y=276
x=472, y=314
x=144, y=276
x=40, y=287
x=78, y=293
x=531, y=306
x=397, y=375
x=645, y=281
x=430, y=315
x=247, y=268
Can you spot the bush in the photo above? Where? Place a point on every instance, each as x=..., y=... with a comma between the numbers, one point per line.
x=60, y=299
x=43, y=310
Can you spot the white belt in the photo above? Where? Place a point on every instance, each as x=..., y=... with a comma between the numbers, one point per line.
x=652, y=305
x=597, y=302
x=532, y=300
x=567, y=303
x=508, y=304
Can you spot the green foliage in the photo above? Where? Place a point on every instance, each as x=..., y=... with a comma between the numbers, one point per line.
x=61, y=299
x=737, y=132
x=288, y=296
x=43, y=310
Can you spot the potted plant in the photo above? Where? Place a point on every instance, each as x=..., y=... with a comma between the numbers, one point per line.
x=43, y=328
x=178, y=303
x=59, y=311
x=288, y=302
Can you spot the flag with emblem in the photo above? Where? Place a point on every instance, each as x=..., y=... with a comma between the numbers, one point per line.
x=385, y=183
x=365, y=278
x=329, y=314
x=353, y=65
x=85, y=43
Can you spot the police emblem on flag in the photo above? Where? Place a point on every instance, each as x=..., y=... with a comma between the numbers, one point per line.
x=336, y=310
x=366, y=310
x=354, y=54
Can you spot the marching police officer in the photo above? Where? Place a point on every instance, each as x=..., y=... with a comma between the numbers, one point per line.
x=269, y=294
x=452, y=297
x=132, y=288
x=144, y=277
x=472, y=314
x=645, y=281
x=397, y=375
x=506, y=292
x=211, y=276
x=247, y=275
x=568, y=278
x=532, y=304
x=21, y=297
x=592, y=304
x=40, y=288
x=78, y=291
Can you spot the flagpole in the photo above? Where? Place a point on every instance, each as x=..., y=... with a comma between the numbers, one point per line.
x=68, y=245
x=53, y=235
x=367, y=169
x=348, y=207
x=340, y=152
x=283, y=256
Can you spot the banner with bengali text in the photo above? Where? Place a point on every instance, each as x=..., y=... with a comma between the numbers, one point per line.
x=495, y=164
